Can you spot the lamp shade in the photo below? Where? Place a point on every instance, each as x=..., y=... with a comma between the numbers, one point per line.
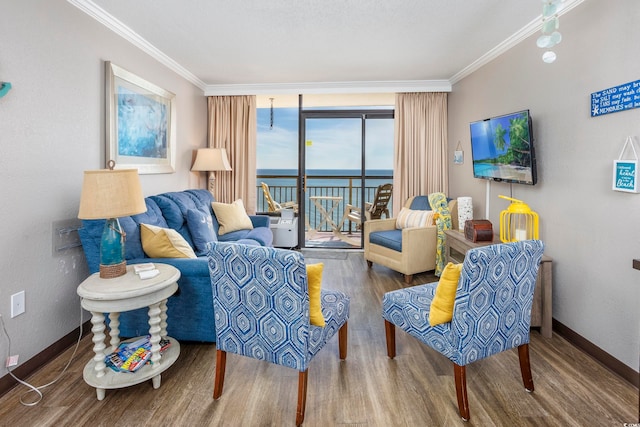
x=211, y=159
x=110, y=193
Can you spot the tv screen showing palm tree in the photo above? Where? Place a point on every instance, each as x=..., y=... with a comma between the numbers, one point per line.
x=502, y=149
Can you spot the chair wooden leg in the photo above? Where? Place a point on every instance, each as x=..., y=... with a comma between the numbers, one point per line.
x=390, y=330
x=461, y=390
x=221, y=362
x=302, y=396
x=342, y=340
x=408, y=278
x=369, y=264
x=525, y=367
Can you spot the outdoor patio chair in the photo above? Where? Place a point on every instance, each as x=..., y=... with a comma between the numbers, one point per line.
x=373, y=210
x=275, y=206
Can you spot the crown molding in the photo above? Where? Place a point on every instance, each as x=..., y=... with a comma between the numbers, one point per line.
x=528, y=30
x=330, y=87
x=100, y=15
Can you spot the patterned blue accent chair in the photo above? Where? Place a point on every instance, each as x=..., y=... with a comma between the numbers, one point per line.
x=491, y=312
x=261, y=310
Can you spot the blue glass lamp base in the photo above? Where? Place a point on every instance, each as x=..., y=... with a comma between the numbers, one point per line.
x=112, y=261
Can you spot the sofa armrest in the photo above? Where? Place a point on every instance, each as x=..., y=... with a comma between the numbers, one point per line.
x=419, y=244
x=196, y=267
x=415, y=238
x=259, y=220
x=379, y=225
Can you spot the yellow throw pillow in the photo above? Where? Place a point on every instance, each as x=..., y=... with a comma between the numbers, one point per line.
x=159, y=242
x=231, y=217
x=408, y=218
x=441, y=310
x=314, y=281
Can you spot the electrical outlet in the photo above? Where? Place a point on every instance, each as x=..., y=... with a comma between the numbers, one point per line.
x=17, y=304
x=12, y=361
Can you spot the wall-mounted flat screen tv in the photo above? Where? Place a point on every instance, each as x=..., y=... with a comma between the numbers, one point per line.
x=502, y=149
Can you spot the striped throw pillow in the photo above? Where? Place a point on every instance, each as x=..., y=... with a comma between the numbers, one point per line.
x=408, y=218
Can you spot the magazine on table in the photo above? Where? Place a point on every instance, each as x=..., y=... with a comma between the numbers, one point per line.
x=132, y=355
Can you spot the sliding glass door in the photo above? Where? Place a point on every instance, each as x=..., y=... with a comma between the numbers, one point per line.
x=324, y=162
x=344, y=156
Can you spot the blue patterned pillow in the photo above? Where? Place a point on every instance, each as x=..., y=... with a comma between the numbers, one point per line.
x=200, y=226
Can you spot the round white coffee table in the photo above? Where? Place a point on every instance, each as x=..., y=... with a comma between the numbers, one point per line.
x=124, y=293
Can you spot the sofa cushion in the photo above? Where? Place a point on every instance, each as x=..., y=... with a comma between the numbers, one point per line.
x=420, y=203
x=201, y=229
x=159, y=242
x=391, y=239
x=262, y=235
x=174, y=207
x=249, y=242
x=231, y=217
x=131, y=225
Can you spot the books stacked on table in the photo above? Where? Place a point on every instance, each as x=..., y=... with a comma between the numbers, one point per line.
x=132, y=355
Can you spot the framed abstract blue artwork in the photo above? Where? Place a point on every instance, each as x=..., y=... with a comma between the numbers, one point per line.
x=140, y=124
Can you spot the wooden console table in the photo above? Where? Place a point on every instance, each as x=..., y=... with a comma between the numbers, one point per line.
x=456, y=246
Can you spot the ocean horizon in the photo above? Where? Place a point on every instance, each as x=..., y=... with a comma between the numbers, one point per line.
x=321, y=182
x=287, y=177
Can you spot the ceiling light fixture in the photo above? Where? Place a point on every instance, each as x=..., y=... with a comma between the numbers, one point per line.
x=550, y=34
x=271, y=115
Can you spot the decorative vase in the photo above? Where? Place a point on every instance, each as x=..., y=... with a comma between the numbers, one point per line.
x=465, y=211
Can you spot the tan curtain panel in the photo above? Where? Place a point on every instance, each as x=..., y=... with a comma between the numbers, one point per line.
x=420, y=144
x=233, y=125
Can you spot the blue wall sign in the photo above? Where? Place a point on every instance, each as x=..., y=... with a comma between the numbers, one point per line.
x=624, y=175
x=618, y=98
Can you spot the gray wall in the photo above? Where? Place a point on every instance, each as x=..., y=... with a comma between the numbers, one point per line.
x=591, y=232
x=51, y=130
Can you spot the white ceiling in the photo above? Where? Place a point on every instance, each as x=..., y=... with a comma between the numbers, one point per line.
x=271, y=46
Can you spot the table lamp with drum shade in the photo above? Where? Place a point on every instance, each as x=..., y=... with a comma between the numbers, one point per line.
x=110, y=194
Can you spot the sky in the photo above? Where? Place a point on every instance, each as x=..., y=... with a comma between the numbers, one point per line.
x=331, y=143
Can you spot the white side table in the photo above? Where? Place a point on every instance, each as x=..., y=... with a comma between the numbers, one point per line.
x=126, y=293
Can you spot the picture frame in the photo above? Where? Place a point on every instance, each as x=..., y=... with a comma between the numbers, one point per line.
x=140, y=123
x=625, y=171
x=624, y=176
x=458, y=155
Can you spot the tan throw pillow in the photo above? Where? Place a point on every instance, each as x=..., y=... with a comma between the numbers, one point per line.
x=408, y=218
x=158, y=242
x=231, y=217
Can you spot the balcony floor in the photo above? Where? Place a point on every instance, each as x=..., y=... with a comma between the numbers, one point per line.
x=329, y=240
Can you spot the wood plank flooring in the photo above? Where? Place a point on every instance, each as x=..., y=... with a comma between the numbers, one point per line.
x=368, y=389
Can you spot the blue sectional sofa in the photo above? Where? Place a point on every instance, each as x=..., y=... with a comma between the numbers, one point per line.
x=190, y=310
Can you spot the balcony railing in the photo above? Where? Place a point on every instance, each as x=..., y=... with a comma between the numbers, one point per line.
x=350, y=194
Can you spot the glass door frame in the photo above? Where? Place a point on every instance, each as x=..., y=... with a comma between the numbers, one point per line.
x=303, y=114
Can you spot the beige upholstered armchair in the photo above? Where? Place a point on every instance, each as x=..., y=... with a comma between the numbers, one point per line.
x=409, y=250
